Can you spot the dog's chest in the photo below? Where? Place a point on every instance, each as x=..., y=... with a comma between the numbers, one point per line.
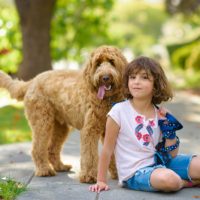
x=101, y=110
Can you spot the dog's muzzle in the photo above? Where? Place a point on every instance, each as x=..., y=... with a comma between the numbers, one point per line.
x=106, y=85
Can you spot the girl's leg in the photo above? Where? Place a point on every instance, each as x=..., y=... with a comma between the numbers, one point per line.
x=155, y=178
x=166, y=180
x=187, y=167
x=194, y=170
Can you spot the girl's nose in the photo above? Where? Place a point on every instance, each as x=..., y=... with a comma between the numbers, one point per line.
x=137, y=79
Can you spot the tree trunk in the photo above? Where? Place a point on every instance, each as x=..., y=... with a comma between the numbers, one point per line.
x=35, y=20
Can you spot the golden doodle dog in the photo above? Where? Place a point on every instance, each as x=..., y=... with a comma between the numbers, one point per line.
x=57, y=100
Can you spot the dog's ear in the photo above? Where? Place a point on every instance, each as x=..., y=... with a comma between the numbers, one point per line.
x=120, y=58
x=87, y=73
x=88, y=67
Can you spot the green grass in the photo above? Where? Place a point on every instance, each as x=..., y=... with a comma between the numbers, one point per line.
x=10, y=189
x=13, y=124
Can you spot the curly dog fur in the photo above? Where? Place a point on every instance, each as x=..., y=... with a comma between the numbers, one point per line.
x=57, y=100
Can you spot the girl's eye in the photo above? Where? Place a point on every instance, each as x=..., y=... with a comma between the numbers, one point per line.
x=131, y=77
x=145, y=77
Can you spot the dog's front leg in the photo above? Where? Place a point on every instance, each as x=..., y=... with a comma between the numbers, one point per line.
x=112, y=168
x=89, y=153
x=112, y=165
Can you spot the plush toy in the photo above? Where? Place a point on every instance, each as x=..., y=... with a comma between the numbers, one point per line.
x=168, y=126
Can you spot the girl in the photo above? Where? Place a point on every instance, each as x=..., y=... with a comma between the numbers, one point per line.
x=134, y=129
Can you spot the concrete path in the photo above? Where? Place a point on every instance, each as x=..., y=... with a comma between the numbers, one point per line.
x=15, y=161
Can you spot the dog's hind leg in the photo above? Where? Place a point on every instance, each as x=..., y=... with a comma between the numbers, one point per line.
x=40, y=115
x=55, y=146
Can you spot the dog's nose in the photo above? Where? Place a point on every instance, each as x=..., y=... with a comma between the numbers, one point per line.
x=106, y=78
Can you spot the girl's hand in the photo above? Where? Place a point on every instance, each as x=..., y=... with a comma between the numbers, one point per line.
x=98, y=187
x=162, y=112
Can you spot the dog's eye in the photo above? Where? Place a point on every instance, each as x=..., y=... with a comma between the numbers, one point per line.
x=111, y=61
x=98, y=63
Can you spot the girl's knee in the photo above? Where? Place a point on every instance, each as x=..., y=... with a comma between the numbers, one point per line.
x=171, y=181
x=167, y=180
x=194, y=170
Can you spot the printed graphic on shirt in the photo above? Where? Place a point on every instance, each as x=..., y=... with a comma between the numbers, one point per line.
x=143, y=130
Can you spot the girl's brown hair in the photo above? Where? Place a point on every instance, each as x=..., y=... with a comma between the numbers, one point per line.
x=162, y=90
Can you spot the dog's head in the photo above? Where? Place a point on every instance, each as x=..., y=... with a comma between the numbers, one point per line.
x=104, y=71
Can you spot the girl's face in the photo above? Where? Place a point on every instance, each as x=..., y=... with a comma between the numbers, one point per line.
x=141, y=85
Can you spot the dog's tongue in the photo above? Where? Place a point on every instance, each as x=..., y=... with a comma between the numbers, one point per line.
x=101, y=92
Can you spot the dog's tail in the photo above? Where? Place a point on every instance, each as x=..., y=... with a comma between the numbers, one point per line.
x=16, y=88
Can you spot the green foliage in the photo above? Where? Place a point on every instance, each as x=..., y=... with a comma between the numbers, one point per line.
x=185, y=50
x=186, y=79
x=10, y=39
x=185, y=62
x=186, y=55
x=193, y=19
x=184, y=46
x=77, y=25
x=10, y=189
x=192, y=80
x=137, y=25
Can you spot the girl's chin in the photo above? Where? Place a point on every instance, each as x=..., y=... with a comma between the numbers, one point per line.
x=142, y=96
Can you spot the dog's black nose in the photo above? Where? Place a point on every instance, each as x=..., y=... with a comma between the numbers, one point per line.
x=106, y=77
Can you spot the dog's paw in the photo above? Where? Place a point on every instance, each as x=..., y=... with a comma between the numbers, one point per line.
x=86, y=178
x=45, y=172
x=114, y=175
x=62, y=168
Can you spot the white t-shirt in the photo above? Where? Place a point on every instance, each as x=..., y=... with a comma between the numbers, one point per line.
x=136, y=141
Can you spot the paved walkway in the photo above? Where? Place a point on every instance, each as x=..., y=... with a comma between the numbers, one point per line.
x=15, y=161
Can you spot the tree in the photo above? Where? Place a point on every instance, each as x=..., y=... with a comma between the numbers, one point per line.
x=35, y=19
x=76, y=24
x=182, y=6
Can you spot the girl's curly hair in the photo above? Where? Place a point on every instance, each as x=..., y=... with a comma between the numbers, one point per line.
x=162, y=90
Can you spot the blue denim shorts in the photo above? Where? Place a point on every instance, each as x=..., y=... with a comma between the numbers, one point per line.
x=141, y=179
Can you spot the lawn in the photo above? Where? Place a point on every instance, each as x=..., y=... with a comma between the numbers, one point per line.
x=13, y=125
